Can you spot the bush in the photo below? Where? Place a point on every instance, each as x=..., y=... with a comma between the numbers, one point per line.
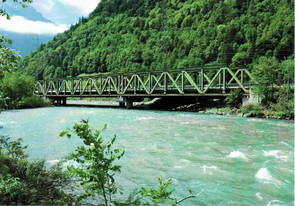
x=17, y=92
x=33, y=101
x=96, y=160
x=24, y=182
x=284, y=105
x=271, y=76
x=15, y=86
x=253, y=110
x=235, y=98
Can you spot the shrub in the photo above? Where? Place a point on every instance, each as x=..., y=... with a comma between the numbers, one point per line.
x=284, y=105
x=235, y=98
x=96, y=159
x=253, y=110
x=24, y=182
x=33, y=101
x=15, y=86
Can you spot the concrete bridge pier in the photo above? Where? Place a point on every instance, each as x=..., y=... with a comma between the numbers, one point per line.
x=127, y=102
x=64, y=101
x=59, y=100
x=251, y=99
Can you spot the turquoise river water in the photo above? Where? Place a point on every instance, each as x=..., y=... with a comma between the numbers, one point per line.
x=234, y=160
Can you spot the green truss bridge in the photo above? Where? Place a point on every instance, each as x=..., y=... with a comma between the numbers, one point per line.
x=203, y=82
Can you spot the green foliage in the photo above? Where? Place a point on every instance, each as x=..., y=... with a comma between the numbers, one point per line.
x=148, y=35
x=15, y=86
x=235, y=98
x=96, y=159
x=284, y=104
x=253, y=110
x=16, y=89
x=17, y=92
x=33, y=101
x=9, y=58
x=159, y=195
x=24, y=182
x=270, y=76
x=162, y=194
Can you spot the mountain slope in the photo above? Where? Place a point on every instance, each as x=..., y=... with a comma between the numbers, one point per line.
x=147, y=35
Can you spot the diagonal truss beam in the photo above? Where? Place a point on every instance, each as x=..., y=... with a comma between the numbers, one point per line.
x=193, y=82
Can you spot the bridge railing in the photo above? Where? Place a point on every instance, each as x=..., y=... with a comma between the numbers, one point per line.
x=191, y=82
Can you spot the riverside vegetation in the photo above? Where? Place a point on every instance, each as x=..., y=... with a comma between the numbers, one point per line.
x=31, y=182
x=16, y=89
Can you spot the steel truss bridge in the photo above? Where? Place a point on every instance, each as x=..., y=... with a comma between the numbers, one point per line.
x=217, y=82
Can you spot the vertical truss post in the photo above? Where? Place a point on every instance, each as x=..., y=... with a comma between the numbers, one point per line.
x=56, y=86
x=219, y=79
x=120, y=83
x=72, y=86
x=117, y=82
x=109, y=85
x=182, y=81
x=123, y=83
x=96, y=85
x=44, y=88
x=100, y=83
x=134, y=83
x=80, y=87
x=150, y=82
x=223, y=80
x=90, y=87
x=165, y=82
x=202, y=79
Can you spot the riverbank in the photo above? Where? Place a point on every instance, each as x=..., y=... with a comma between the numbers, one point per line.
x=249, y=111
x=257, y=111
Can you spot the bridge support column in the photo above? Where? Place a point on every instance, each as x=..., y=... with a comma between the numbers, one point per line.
x=128, y=103
x=64, y=101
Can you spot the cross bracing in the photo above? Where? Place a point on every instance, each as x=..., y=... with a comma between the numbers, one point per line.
x=198, y=82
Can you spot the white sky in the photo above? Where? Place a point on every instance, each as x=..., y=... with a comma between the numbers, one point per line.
x=19, y=24
x=84, y=6
x=62, y=13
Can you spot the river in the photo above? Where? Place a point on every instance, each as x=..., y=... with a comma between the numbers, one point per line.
x=234, y=160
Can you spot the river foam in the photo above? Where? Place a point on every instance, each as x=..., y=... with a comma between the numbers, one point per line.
x=208, y=169
x=237, y=155
x=264, y=176
x=277, y=154
x=259, y=196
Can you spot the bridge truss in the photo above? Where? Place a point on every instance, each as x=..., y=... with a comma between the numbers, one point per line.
x=198, y=82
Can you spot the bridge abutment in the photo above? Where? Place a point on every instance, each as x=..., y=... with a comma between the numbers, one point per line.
x=251, y=99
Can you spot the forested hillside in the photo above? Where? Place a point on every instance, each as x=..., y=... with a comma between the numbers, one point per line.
x=148, y=35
